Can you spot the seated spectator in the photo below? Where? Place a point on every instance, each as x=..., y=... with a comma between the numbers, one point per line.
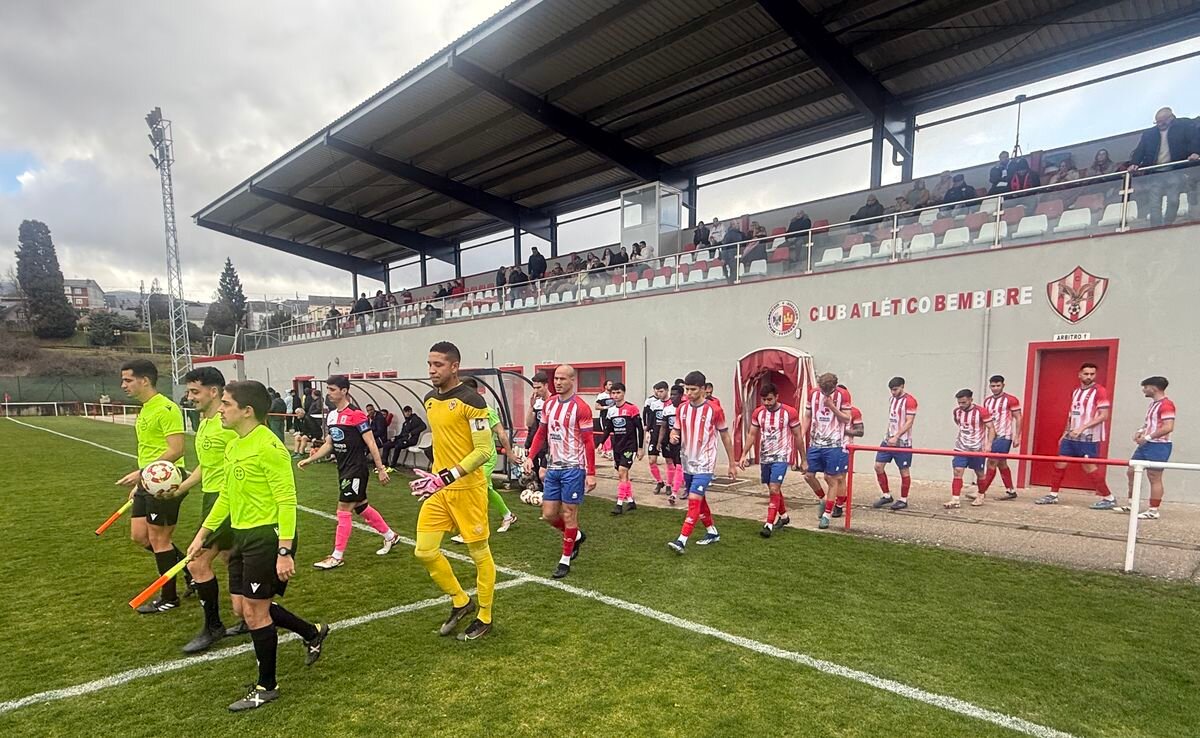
x=517, y=284
x=308, y=433
x=553, y=279
x=959, y=192
x=430, y=315
x=1023, y=177
x=380, y=421
x=1000, y=176
x=607, y=257
x=900, y=206
x=410, y=434
x=871, y=209
x=945, y=182
x=636, y=253
x=1170, y=140
x=575, y=264
x=701, y=235
x=647, y=250
x=756, y=249
x=407, y=297
x=624, y=255
x=799, y=223
x=918, y=197
x=716, y=235
x=458, y=288
x=1102, y=164
x=1065, y=173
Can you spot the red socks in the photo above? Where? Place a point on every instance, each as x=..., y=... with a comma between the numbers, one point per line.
x=956, y=487
x=569, y=540
x=905, y=483
x=1100, y=483
x=986, y=481
x=773, y=508
x=705, y=513
x=558, y=524
x=1006, y=477
x=782, y=505
x=1056, y=479
x=693, y=514
x=883, y=483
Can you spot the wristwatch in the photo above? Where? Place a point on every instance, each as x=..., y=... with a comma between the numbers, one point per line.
x=284, y=551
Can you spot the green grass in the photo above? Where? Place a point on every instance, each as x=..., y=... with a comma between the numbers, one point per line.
x=1090, y=654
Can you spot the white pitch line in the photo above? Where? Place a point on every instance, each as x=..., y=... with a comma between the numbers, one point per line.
x=941, y=701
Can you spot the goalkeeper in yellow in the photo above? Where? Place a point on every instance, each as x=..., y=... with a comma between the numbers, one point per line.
x=455, y=495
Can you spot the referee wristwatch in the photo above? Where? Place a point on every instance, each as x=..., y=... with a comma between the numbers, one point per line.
x=285, y=551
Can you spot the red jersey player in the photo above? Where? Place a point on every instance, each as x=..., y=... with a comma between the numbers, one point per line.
x=778, y=427
x=902, y=413
x=1153, y=440
x=567, y=428
x=1006, y=415
x=975, y=433
x=699, y=422
x=826, y=416
x=1090, y=409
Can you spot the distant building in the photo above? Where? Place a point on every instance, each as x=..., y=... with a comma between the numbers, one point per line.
x=84, y=294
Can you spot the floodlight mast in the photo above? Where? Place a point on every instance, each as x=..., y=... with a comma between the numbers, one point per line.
x=162, y=158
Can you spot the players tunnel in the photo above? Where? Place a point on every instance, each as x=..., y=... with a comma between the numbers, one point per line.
x=790, y=370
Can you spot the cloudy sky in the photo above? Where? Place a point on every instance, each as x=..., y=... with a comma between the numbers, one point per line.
x=246, y=81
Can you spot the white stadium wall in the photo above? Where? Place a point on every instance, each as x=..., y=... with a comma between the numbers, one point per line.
x=888, y=319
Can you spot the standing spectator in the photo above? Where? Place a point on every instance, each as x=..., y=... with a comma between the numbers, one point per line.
x=392, y=307
x=1168, y=141
x=278, y=410
x=1023, y=178
x=1000, y=177
x=647, y=251
x=918, y=197
x=406, y=297
x=379, y=309
x=315, y=406
x=1102, y=164
x=636, y=253
x=945, y=182
x=960, y=192
x=729, y=246
x=291, y=402
x=537, y=265
x=359, y=311
x=333, y=322
x=517, y=283
x=458, y=287
x=501, y=278
x=798, y=237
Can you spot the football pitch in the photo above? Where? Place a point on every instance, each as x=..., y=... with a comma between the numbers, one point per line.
x=804, y=634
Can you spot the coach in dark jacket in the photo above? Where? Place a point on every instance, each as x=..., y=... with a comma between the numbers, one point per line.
x=1168, y=141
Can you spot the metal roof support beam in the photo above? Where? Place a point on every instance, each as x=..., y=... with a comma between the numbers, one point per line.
x=859, y=85
x=892, y=126
x=510, y=212
x=614, y=148
x=365, y=267
x=435, y=247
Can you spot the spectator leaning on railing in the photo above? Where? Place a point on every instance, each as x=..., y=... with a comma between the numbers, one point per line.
x=361, y=307
x=1169, y=140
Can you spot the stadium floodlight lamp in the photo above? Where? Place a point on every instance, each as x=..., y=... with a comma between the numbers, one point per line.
x=154, y=117
x=154, y=159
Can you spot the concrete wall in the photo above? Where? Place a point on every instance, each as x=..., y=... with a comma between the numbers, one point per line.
x=1149, y=307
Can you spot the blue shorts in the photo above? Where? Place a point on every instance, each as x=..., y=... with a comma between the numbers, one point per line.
x=564, y=485
x=969, y=462
x=1001, y=445
x=831, y=460
x=697, y=484
x=1152, y=452
x=1079, y=449
x=903, y=459
x=774, y=472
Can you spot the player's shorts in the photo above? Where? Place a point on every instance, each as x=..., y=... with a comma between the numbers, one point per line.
x=652, y=448
x=774, y=472
x=462, y=511
x=353, y=489
x=672, y=452
x=1079, y=449
x=564, y=485
x=155, y=511
x=969, y=462
x=222, y=537
x=697, y=484
x=1152, y=452
x=831, y=460
x=903, y=459
x=252, y=562
x=1001, y=445
x=623, y=459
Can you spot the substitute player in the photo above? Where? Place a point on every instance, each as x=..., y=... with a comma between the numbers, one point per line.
x=159, y=429
x=652, y=418
x=780, y=431
x=975, y=433
x=699, y=422
x=353, y=442
x=1153, y=441
x=567, y=429
x=508, y=518
x=205, y=387
x=259, y=502
x=623, y=424
x=902, y=413
x=1006, y=416
x=668, y=444
x=1085, y=431
x=827, y=416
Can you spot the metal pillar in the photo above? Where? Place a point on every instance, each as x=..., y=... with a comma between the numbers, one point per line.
x=458, y=261
x=424, y=271
x=910, y=142
x=387, y=279
x=693, y=190
x=877, y=153
x=516, y=245
x=553, y=236
x=353, y=285
x=163, y=157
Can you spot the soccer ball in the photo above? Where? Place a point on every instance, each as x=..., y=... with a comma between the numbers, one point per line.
x=161, y=479
x=525, y=496
x=535, y=498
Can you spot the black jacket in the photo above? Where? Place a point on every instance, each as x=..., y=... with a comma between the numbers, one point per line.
x=732, y=235
x=1181, y=138
x=960, y=192
x=501, y=278
x=1000, y=175
x=362, y=305
x=701, y=234
x=802, y=223
x=411, y=430
x=869, y=210
x=537, y=266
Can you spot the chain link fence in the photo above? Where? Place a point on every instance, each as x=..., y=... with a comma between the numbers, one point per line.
x=60, y=389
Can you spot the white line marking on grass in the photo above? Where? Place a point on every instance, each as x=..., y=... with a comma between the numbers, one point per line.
x=944, y=702
x=164, y=667
x=73, y=438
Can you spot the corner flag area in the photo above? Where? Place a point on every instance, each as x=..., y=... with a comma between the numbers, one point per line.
x=800, y=634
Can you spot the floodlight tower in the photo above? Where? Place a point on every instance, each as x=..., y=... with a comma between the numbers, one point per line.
x=163, y=157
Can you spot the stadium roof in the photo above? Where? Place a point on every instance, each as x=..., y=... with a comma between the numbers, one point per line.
x=550, y=106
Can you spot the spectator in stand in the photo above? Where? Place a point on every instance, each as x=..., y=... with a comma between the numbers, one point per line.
x=501, y=278
x=308, y=432
x=442, y=292
x=636, y=253
x=406, y=297
x=798, y=237
x=900, y=206
x=458, y=288
x=554, y=281
x=517, y=283
x=872, y=209
x=379, y=309
x=729, y=248
x=919, y=197
x=1023, y=178
x=537, y=265
x=701, y=236
x=1170, y=140
x=960, y=192
x=333, y=321
x=278, y=411
x=392, y=306
x=945, y=182
x=1066, y=172
x=1101, y=164
x=1000, y=177
x=359, y=311
x=716, y=235
x=575, y=264
x=756, y=249
x=430, y=315
x=647, y=250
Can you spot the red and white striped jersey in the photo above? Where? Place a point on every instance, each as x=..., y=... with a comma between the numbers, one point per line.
x=1002, y=407
x=1159, y=411
x=775, y=426
x=698, y=428
x=1086, y=404
x=855, y=419
x=566, y=419
x=972, y=427
x=902, y=408
x=827, y=430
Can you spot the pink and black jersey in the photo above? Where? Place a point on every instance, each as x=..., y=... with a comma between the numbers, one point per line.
x=901, y=409
x=1159, y=411
x=1002, y=407
x=698, y=428
x=623, y=423
x=775, y=426
x=972, y=427
x=346, y=429
x=827, y=429
x=1086, y=404
x=566, y=419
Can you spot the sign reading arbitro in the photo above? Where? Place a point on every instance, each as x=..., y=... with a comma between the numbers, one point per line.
x=918, y=305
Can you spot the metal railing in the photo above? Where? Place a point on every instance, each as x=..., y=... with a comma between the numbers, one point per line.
x=1108, y=203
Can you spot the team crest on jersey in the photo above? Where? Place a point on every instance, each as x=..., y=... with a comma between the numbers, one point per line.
x=1077, y=294
x=783, y=319
x=452, y=404
x=239, y=473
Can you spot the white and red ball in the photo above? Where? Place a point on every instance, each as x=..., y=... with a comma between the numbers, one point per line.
x=161, y=479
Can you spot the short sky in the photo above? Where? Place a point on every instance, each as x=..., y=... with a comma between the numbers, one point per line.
x=245, y=82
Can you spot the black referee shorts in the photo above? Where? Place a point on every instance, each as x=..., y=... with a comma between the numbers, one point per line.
x=252, y=563
x=222, y=537
x=155, y=511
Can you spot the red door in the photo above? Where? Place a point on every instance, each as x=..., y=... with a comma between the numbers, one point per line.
x=1057, y=374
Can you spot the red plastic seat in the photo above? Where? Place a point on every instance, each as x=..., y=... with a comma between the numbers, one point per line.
x=648, y=274
x=940, y=226
x=1094, y=201
x=685, y=269
x=1050, y=209
x=783, y=253
x=631, y=275
x=908, y=231
x=616, y=279
x=879, y=234
x=689, y=247
x=778, y=231
x=1013, y=215
x=852, y=240
x=975, y=221
x=821, y=226
x=701, y=265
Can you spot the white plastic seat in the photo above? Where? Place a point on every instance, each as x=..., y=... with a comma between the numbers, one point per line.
x=1032, y=226
x=829, y=257
x=1079, y=219
x=990, y=205
x=858, y=252
x=669, y=262
x=757, y=268
x=987, y=234
x=424, y=442
x=611, y=290
x=687, y=257
x=1184, y=205
x=887, y=247
x=1112, y=214
x=696, y=276
x=660, y=281
x=927, y=217
x=555, y=298
x=714, y=273
x=923, y=242
x=642, y=284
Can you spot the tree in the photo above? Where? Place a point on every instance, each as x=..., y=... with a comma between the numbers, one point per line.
x=229, y=292
x=41, y=281
x=219, y=320
x=103, y=326
x=278, y=319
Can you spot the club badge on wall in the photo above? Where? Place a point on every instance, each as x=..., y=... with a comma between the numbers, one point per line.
x=783, y=320
x=1077, y=294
